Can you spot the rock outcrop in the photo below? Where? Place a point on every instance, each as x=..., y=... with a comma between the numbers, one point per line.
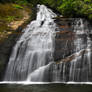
x=72, y=35
x=8, y=40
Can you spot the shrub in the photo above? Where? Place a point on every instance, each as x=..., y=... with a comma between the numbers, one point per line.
x=17, y=6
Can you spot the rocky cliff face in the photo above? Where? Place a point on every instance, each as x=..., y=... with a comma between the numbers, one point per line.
x=73, y=52
x=71, y=36
x=5, y=50
x=8, y=40
x=72, y=40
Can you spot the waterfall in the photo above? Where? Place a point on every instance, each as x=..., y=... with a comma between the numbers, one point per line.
x=77, y=67
x=34, y=49
x=33, y=56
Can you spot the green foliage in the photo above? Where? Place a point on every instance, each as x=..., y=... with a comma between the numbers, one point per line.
x=69, y=8
x=51, y=3
x=90, y=16
x=66, y=8
x=10, y=12
x=17, y=6
x=7, y=10
x=10, y=18
x=21, y=2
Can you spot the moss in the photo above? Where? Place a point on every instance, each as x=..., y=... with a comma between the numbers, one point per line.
x=21, y=2
x=10, y=12
x=17, y=6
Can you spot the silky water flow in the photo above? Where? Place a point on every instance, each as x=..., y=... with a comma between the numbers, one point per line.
x=32, y=57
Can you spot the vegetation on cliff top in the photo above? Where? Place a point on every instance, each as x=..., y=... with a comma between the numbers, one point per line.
x=71, y=8
x=12, y=10
x=12, y=15
x=68, y=8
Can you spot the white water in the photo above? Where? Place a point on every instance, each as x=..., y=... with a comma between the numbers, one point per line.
x=29, y=83
x=80, y=67
x=31, y=61
x=34, y=49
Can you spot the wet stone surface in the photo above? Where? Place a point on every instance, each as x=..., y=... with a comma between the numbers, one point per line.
x=71, y=36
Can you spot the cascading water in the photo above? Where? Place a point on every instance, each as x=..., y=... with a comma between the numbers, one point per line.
x=80, y=67
x=77, y=67
x=32, y=57
x=34, y=49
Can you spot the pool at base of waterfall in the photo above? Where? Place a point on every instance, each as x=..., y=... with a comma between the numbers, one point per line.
x=45, y=88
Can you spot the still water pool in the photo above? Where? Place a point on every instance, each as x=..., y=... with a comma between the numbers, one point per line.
x=45, y=88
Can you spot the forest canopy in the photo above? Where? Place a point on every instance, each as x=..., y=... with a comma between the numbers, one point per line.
x=68, y=8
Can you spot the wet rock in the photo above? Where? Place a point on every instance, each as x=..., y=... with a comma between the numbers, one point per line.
x=5, y=50
x=71, y=36
x=64, y=39
x=7, y=44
